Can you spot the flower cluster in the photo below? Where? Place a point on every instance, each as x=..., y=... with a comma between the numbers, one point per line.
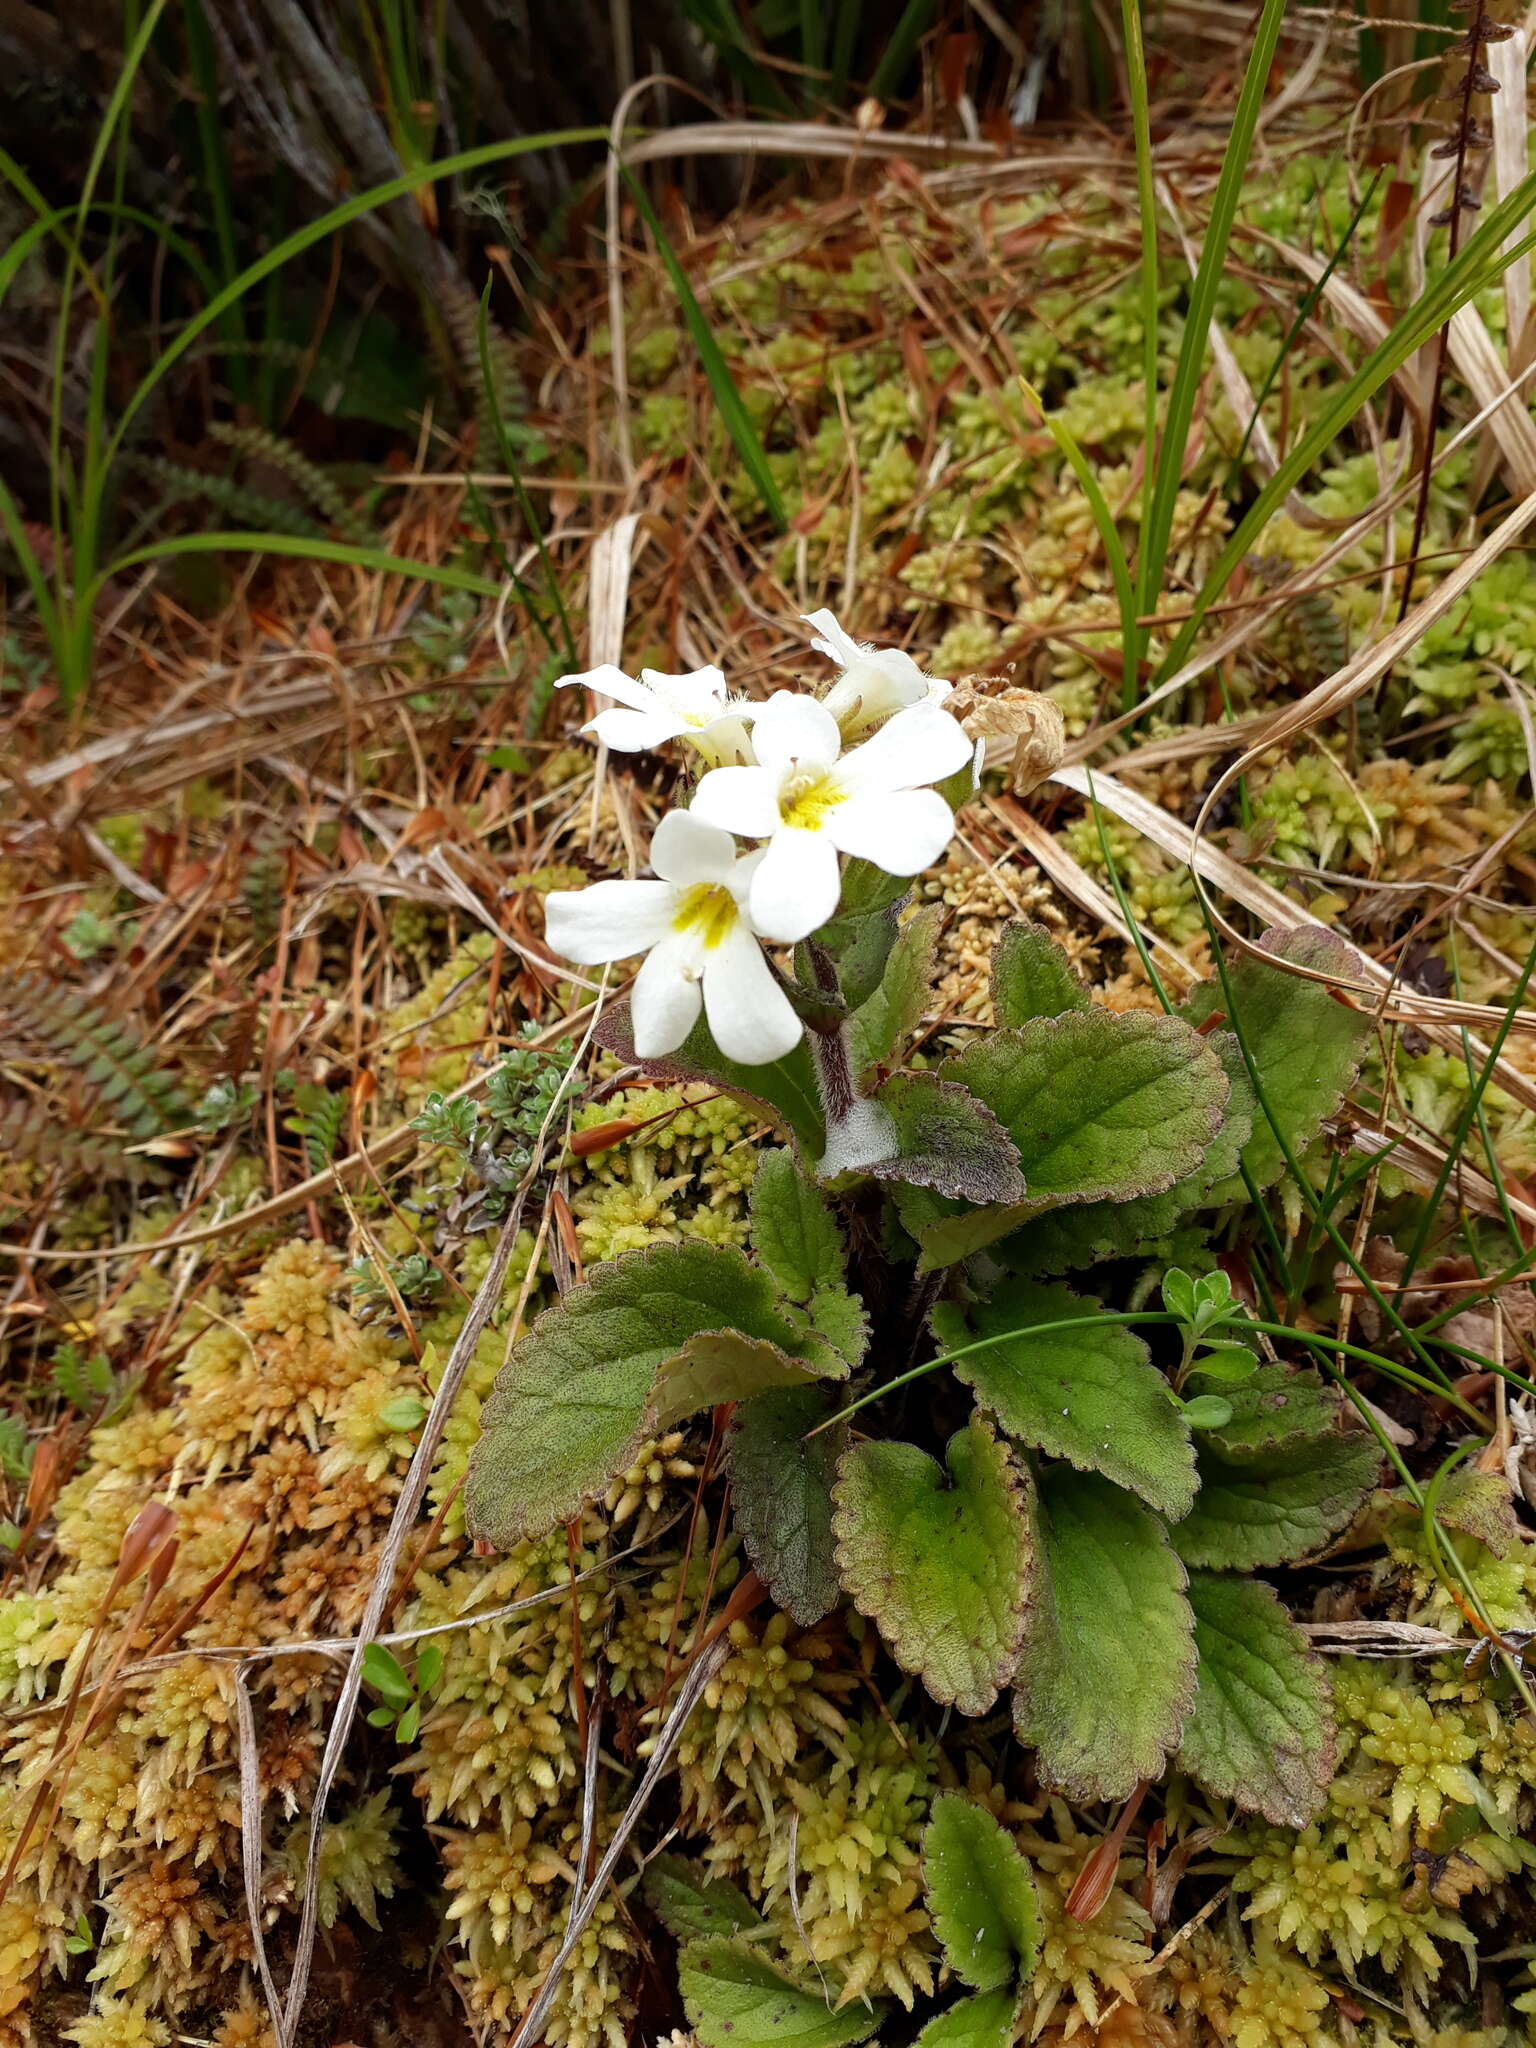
x=809, y=779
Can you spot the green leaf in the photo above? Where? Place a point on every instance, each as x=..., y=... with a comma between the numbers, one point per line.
x=1207, y=1411
x=1272, y=1507
x=1261, y=1730
x=981, y=1895
x=881, y=1024
x=1305, y=1046
x=948, y=1141
x=942, y=1568
x=1101, y=1107
x=722, y=1365
x=1090, y=1233
x=794, y=1233
x=578, y=1396
x=429, y=1666
x=983, y=2020
x=1271, y=1405
x=1031, y=977
x=781, y=1491
x=691, y=1905
x=1107, y=1672
x=784, y=1090
x=1228, y=1366
x=386, y=1674
x=1090, y=1395
x=734, y=1999
x=839, y=1318
x=410, y=1724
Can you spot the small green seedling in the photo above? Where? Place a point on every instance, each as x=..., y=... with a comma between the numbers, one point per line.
x=400, y=1694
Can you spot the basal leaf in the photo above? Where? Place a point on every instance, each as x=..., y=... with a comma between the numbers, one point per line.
x=784, y=1090
x=1102, y=1107
x=983, y=2020
x=941, y=1563
x=736, y=2000
x=1107, y=1670
x=1032, y=977
x=1274, y=1506
x=838, y=1317
x=781, y=1491
x=981, y=1895
x=949, y=1141
x=1090, y=1233
x=722, y=1365
x=576, y=1398
x=882, y=1023
x=1261, y=1730
x=690, y=1904
x=1305, y=1046
x=1089, y=1395
x=794, y=1233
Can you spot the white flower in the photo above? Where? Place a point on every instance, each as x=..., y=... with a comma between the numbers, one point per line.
x=694, y=707
x=810, y=805
x=876, y=682
x=693, y=927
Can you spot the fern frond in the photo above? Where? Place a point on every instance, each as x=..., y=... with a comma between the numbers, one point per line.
x=258, y=444
x=318, y=1119
x=115, y=1065
x=28, y=1132
x=508, y=396
x=182, y=483
x=84, y=1382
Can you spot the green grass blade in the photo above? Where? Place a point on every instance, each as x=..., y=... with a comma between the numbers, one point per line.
x=738, y=422
x=900, y=46
x=1104, y=524
x=1146, y=197
x=350, y=552
x=1161, y=490
x=1479, y=263
x=316, y=231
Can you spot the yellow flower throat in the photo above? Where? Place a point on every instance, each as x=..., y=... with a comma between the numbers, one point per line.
x=707, y=912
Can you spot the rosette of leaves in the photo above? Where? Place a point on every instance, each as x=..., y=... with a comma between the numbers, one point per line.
x=1030, y=1503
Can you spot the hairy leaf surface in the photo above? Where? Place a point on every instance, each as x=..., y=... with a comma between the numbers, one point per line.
x=1306, y=1047
x=794, y=1233
x=940, y=1562
x=948, y=1141
x=691, y=1904
x=1089, y=1395
x=1274, y=1506
x=983, y=2020
x=781, y=1490
x=888, y=1017
x=1261, y=1731
x=736, y=2000
x=577, y=1397
x=981, y=1895
x=1108, y=1666
x=1032, y=977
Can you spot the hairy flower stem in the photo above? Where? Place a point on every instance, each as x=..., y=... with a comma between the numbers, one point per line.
x=859, y=1132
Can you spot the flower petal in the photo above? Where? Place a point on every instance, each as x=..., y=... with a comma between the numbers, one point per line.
x=609, y=681
x=698, y=694
x=749, y=1015
x=796, y=886
x=791, y=728
x=684, y=850
x=744, y=800
x=664, y=1004
x=609, y=921
x=837, y=645
x=902, y=831
x=632, y=732
x=917, y=746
